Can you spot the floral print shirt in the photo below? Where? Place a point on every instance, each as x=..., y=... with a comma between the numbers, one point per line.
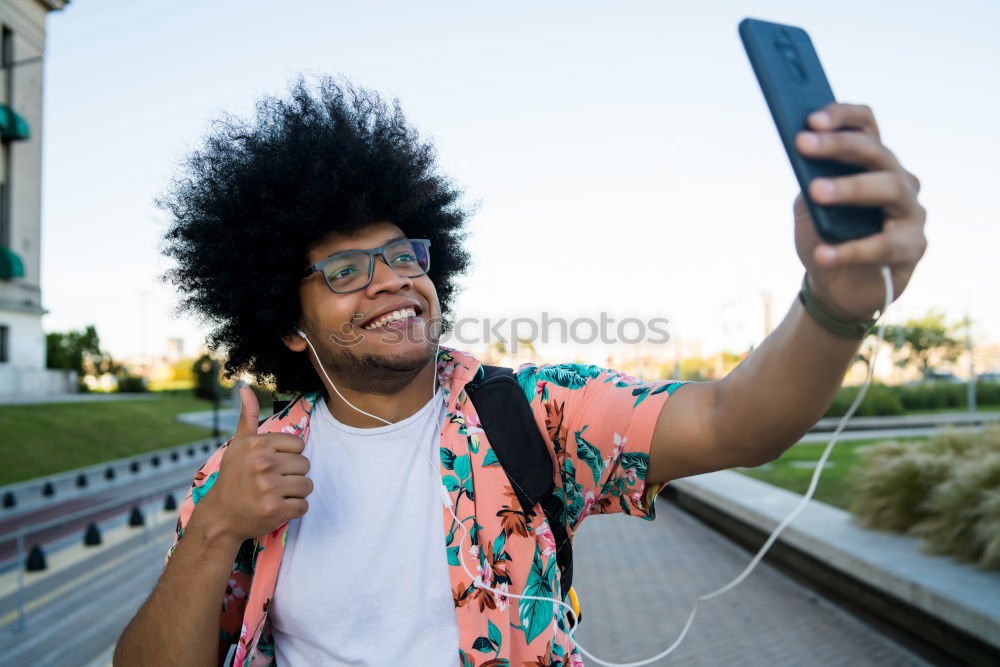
x=599, y=425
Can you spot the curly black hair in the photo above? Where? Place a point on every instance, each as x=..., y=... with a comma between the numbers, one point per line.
x=249, y=205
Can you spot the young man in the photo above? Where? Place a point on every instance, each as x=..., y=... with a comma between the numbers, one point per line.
x=325, y=249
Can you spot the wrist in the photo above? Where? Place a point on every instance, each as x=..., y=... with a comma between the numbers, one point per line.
x=823, y=300
x=833, y=319
x=213, y=534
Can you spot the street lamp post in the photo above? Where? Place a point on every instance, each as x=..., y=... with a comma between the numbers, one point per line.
x=215, y=402
x=971, y=387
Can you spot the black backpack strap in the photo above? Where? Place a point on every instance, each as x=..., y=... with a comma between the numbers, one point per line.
x=510, y=426
x=513, y=433
x=279, y=404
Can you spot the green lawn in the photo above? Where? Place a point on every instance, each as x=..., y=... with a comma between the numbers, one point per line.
x=48, y=438
x=792, y=472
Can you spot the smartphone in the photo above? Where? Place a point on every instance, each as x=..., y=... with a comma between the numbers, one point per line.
x=794, y=85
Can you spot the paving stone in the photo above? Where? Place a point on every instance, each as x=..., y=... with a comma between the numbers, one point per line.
x=637, y=581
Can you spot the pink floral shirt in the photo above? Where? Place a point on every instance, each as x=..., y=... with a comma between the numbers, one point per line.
x=599, y=425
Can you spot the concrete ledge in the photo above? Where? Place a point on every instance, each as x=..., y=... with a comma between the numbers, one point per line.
x=940, y=419
x=960, y=596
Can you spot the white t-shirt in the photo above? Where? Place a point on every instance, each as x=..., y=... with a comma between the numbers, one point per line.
x=364, y=576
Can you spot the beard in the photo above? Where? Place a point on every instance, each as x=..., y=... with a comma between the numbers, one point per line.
x=367, y=373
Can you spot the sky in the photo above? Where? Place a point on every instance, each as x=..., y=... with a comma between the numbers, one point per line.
x=619, y=155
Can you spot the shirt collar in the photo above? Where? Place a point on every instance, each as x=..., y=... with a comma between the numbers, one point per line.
x=454, y=370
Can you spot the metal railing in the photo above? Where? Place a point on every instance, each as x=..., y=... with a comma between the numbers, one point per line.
x=82, y=481
x=133, y=500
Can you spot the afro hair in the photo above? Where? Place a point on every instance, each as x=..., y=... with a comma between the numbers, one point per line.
x=249, y=205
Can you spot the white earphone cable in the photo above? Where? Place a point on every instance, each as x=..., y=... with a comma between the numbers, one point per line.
x=479, y=583
x=887, y=278
x=445, y=497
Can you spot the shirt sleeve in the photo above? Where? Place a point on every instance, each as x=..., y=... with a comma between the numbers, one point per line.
x=238, y=583
x=200, y=485
x=600, y=426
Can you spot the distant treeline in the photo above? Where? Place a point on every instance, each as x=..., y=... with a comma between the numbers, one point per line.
x=888, y=400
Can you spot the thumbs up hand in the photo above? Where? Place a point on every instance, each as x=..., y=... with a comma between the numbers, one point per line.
x=262, y=479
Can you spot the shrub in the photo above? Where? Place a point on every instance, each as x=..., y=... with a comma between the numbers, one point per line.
x=965, y=444
x=933, y=396
x=987, y=532
x=988, y=393
x=894, y=400
x=132, y=384
x=895, y=481
x=961, y=511
x=945, y=490
x=879, y=400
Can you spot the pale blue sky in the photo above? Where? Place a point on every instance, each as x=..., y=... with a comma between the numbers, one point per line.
x=599, y=138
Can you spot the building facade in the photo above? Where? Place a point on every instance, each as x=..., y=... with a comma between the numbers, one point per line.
x=22, y=341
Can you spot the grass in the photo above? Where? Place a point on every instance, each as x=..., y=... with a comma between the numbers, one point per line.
x=836, y=483
x=944, y=489
x=44, y=439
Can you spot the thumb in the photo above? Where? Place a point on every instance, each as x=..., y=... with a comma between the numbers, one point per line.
x=249, y=414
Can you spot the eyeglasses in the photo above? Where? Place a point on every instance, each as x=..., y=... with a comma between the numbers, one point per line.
x=352, y=270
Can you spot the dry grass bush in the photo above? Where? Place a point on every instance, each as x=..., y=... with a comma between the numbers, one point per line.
x=894, y=484
x=945, y=490
x=988, y=529
x=959, y=512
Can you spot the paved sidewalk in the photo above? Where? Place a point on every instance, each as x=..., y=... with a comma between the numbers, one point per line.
x=228, y=419
x=79, y=615
x=638, y=580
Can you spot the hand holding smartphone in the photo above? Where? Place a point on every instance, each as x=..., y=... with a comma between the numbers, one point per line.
x=795, y=85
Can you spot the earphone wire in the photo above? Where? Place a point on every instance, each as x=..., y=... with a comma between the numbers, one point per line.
x=478, y=581
x=445, y=497
x=887, y=279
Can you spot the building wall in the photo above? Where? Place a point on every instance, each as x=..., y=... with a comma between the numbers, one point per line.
x=21, y=307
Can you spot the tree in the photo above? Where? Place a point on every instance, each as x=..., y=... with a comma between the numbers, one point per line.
x=924, y=341
x=71, y=350
x=81, y=351
x=707, y=368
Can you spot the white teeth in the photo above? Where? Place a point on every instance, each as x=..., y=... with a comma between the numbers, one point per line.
x=395, y=316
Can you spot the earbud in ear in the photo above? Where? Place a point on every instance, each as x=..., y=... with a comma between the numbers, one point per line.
x=302, y=333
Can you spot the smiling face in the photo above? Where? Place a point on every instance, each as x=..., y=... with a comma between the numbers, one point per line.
x=377, y=339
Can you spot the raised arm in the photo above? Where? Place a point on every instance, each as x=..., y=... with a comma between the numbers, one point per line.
x=768, y=402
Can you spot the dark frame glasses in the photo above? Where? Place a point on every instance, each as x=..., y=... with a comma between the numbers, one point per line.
x=408, y=269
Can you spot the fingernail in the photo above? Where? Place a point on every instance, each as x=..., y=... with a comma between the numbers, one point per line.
x=820, y=118
x=810, y=139
x=827, y=254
